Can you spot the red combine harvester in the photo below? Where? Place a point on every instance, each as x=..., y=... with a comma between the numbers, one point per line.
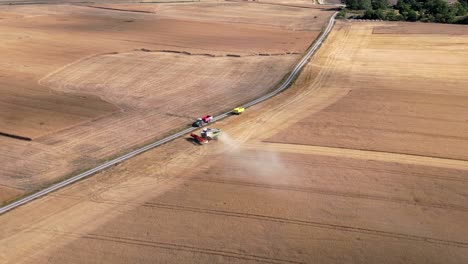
x=199, y=139
x=207, y=135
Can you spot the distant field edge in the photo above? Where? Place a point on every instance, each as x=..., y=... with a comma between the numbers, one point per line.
x=291, y=76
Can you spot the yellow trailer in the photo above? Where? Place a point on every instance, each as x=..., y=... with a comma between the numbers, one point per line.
x=238, y=110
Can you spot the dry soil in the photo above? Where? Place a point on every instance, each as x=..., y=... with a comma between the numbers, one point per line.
x=85, y=83
x=275, y=188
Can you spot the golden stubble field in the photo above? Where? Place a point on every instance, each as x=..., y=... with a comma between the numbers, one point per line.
x=81, y=83
x=277, y=188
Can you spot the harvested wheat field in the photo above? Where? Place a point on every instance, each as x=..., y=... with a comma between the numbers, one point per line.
x=81, y=83
x=318, y=174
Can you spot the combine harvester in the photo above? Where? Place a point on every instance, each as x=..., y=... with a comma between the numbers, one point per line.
x=207, y=135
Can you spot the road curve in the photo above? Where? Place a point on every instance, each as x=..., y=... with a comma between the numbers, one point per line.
x=133, y=153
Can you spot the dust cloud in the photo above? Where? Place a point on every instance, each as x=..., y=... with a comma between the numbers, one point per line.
x=229, y=144
x=264, y=165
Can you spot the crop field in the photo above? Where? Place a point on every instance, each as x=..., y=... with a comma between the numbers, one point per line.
x=80, y=83
x=399, y=100
x=361, y=161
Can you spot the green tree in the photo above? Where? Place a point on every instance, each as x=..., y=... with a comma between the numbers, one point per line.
x=380, y=14
x=463, y=20
x=460, y=9
x=463, y=3
x=369, y=14
x=402, y=6
x=341, y=14
x=358, y=4
x=415, y=4
x=351, y=4
x=435, y=7
x=412, y=15
x=365, y=4
x=440, y=10
x=392, y=16
x=379, y=4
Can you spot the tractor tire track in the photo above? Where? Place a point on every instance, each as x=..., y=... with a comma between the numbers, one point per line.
x=170, y=246
x=335, y=193
x=312, y=223
x=284, y=220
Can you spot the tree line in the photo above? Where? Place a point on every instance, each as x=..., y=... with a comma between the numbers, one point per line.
x=411, y=10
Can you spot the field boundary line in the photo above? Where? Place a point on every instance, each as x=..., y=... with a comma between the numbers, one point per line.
x=366, y=154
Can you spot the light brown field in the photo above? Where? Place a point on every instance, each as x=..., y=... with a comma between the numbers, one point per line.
x=255, y=197
x=421, y=28
x=291, y=15
x=399, y=100
x=87, y=83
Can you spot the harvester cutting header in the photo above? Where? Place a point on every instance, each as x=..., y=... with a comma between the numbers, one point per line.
x=207, y=135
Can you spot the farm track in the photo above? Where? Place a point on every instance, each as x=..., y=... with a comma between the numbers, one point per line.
x=285, y=84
